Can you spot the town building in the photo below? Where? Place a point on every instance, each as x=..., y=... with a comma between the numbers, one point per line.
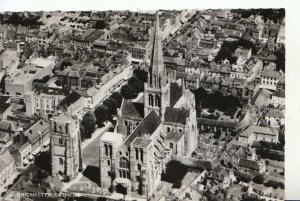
x=8, y=170
x=275, y=118
x=258, y=133
x=269, y=79
x=43, y=101
x=21, y=81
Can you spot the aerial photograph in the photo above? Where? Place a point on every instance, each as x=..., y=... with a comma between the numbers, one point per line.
x=147, y=105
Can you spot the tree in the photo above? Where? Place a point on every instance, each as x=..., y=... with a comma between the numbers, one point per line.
x=280, y=62
x=127, y=92
x=101, y=114
x=141, y=74
x=217, y=135
x=258, y=179
x=100, y=24
x=222, y=162
x=136, y=83
x=89, y=124
x=15, y=19
x=117, y=97
x=174, y=168
x=111, y=105
x=2, y=84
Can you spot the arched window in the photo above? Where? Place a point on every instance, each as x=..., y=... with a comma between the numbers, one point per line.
x=142, y=155
x=106, y=150
x=171, y=145
x=61, y=161
x=124, y=163
x=139, y=167
x=157, y=101
x=136, y=154
x=168, y=129
x=150, y=100
x=60, y=141
x=110, y=150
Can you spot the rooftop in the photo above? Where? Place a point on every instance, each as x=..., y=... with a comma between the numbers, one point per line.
x=275, y=113
x=176, y=115
x=141, y=142
x=112, y=137
x=248, y=164
x=259, y=129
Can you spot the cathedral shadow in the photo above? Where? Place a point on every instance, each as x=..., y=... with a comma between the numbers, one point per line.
x=92, y=173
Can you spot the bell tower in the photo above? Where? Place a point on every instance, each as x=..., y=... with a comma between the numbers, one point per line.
x=157, y=89
x=65, y=146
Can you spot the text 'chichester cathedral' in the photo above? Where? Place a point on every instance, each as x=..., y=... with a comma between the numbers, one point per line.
x=149, y=131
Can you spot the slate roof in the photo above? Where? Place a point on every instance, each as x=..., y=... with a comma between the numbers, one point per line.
x=280, y=93
x=175, y=93
x=258, y=129
x=141, y=142
x=51, y=90
x=33, y=132
x=5, y=159
x=174, y=136
x=270, y=73
x=7, y=125
x=176, y=115
x=248, y=164
x=275, y=113
x=147, y=126
x=132, y=109
x=72, y=71
x=3, y=107
x=69, y=99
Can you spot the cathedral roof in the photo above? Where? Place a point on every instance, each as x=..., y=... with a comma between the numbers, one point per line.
x=176, y=115
x=175, y=93
x=174, y=136
x=132, y=109
x=147, y=126
x=141, y=142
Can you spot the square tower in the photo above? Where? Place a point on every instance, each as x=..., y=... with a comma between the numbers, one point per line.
x=65, y=146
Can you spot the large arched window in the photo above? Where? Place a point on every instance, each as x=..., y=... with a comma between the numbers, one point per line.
x=150, y=99
x=61, y=161
x=106, y=149
x=136, y=154
x=157, y=101
x=124, y=163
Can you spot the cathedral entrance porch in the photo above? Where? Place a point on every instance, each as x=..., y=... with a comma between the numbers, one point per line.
x=122, y=186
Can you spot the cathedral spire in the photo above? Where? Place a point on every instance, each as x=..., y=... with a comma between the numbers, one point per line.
x=157, y=64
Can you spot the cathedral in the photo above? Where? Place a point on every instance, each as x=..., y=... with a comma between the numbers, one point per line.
x=149, y=131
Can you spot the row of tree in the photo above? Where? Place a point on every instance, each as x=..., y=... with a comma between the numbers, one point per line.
x=267, y=153
x=135, y=84
x=258, y=179
x=16, y=19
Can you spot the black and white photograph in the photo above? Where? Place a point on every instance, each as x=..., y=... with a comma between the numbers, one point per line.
x=143, y=105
